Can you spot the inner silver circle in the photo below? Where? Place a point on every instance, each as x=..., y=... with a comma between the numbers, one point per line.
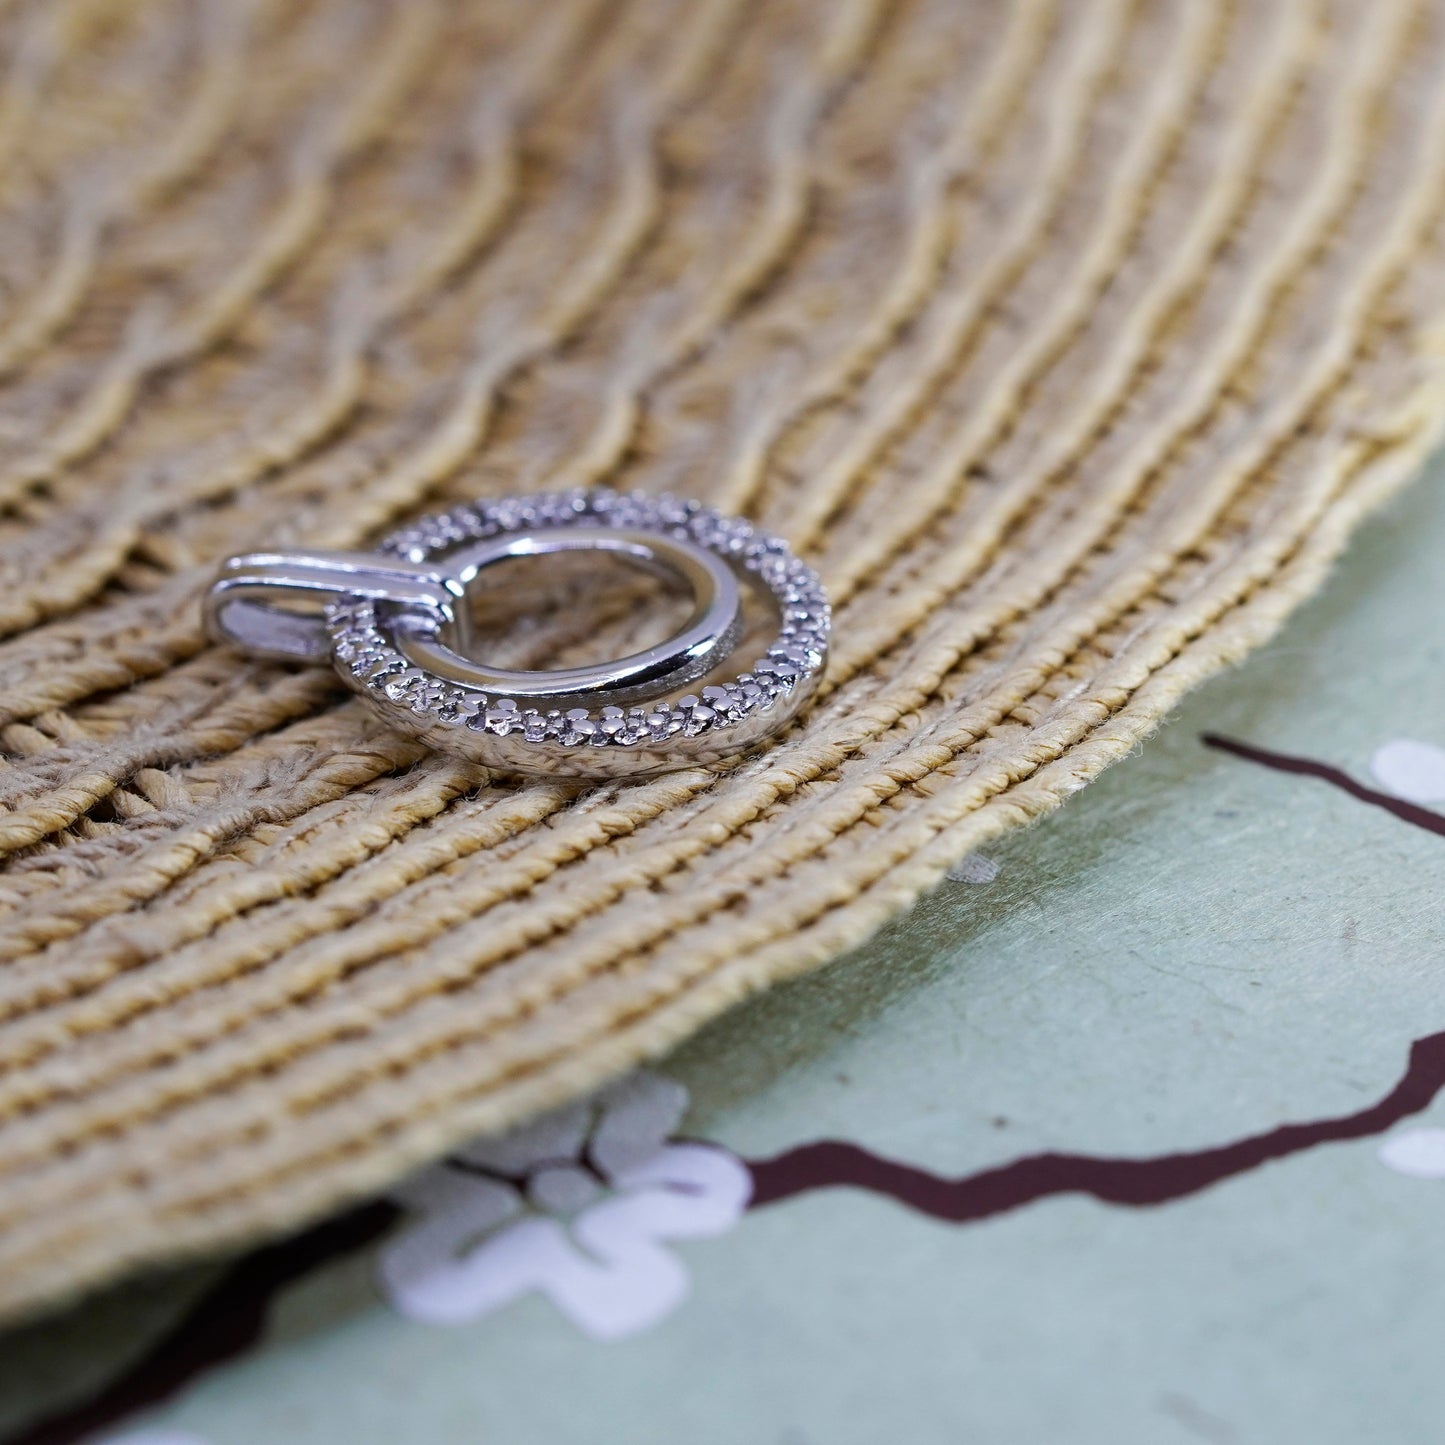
x=705, y=639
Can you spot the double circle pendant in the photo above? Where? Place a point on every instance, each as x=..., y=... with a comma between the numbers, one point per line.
x=395, y=625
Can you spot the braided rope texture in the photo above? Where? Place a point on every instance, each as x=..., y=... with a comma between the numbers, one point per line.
x=1068, y=338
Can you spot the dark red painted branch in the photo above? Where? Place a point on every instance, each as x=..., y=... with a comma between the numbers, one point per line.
x=1306, y=767
x=224, y=1323
x=833, y=1164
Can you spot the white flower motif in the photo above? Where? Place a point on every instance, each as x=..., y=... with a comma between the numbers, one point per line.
x=1418, y=1152
x=576, y=1206
x=1410, y=770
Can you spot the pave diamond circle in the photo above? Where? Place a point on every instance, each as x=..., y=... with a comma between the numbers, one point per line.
x=372, y=648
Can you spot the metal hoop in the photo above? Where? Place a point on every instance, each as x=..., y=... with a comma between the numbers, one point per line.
x=707, y=637
x=390, y=623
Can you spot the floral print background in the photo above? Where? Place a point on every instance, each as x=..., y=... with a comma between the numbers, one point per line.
x=578, y=1206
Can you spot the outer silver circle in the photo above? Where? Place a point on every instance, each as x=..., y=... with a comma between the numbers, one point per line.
x=610, y=740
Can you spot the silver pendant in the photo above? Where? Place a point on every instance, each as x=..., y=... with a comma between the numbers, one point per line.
x=391, y=624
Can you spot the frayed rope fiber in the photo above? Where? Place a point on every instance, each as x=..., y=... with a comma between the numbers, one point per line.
x=1068, y=338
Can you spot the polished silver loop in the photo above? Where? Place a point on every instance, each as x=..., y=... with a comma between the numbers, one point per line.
x=394, y=624
x=707, y=637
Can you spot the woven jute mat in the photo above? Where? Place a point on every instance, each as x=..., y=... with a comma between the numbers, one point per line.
x=1069, y=340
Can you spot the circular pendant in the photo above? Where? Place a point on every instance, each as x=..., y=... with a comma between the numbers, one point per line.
x=395, y=625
